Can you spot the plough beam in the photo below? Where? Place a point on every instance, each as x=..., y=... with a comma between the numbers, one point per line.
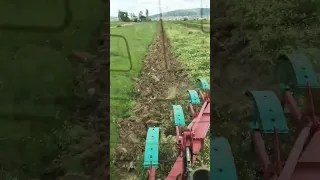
x=294, y=73
x=190, y=140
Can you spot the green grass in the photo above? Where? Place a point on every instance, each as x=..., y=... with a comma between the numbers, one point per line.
x=115, y=23
x=198, y=21
x=34, y=73
x=139, y=38
x=192, y=47
x=282, y=24
x=204, y=25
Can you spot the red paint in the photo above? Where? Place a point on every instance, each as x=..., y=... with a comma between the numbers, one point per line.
x=177, y=170
x=152, y=174
x=303, y=162
x=291, y=104
x=292, y=160
x=192, y=137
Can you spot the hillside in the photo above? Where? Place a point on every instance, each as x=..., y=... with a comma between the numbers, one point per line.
x=184, y=12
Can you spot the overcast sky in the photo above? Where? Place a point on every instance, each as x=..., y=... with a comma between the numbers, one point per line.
x=135, y=6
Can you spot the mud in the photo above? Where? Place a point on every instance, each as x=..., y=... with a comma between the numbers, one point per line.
x=155, y=90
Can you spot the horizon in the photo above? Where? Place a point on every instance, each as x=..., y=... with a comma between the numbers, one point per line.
x=169, y=11
x=135, y=6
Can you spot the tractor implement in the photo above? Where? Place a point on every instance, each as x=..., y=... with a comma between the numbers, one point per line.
x=295, y=75
x=189, y=140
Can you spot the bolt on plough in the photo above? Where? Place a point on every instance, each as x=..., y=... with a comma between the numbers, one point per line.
x=190, y=142
x=295, y=74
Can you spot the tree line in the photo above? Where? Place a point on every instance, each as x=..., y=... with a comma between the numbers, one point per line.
x=124, y=16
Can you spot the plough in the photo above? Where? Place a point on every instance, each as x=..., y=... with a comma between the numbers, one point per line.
x=190, y=142
x=294, y=74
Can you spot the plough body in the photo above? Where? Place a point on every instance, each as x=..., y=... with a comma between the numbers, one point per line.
x=303, y=162
x=189, y=139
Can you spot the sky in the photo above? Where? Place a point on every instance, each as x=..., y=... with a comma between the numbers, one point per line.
x=135, y=6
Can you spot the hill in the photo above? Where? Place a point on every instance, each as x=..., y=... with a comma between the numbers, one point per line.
x=196, y=12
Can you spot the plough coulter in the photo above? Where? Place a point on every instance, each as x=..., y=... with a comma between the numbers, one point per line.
x=294, y=73
x=190, y=142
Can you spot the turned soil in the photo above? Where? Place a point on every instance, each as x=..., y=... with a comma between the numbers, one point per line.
x=155, y=90
x=91, y=90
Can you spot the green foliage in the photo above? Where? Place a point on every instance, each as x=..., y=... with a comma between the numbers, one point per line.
x=123, y=16
x=275, y=24
x=143, y=18
x=192, y=47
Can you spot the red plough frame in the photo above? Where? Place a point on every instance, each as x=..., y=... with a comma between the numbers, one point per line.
x=303, y=162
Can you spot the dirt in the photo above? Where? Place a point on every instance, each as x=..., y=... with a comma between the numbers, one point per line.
x=91, y=91
x=157, y=89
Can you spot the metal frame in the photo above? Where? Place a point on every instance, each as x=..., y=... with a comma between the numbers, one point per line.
x=303, y=161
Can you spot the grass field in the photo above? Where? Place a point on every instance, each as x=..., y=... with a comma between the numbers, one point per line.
x=37, y=81
x=139, y=37
x=199, y=21
x=203, y=25
x=192, y=47
x=115, y=23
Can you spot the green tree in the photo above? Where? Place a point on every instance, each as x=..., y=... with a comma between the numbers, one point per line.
x=147, y=14
x=134, y=18
x=141, y=16
x=123, y=16
x=119, y=14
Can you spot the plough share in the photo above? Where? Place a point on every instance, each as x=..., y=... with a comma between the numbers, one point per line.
x=294, y=74
x=190, y=142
